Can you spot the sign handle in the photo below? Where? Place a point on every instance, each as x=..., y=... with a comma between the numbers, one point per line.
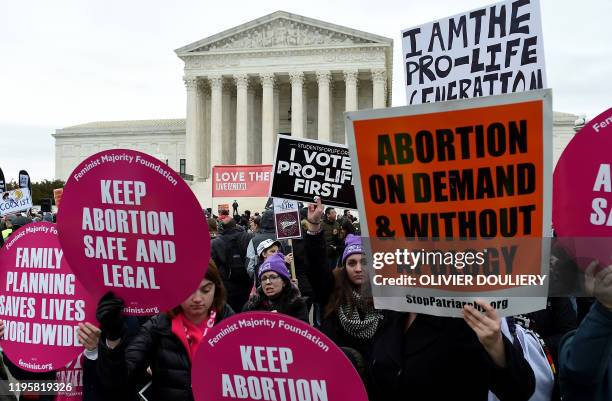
x=292, y=260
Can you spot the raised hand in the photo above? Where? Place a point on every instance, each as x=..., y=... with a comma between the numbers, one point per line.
x=89, y=335
x=315, y=213
x=487, y=327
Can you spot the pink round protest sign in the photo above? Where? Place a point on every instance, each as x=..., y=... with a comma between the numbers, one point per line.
x=42, y=302
x=582, y=197
x=270, y=356
x=130, y=224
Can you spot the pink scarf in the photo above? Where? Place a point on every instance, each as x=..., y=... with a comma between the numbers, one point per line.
x=191, y=334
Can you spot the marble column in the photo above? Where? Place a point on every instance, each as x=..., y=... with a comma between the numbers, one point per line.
x=324, y=127
x=253, y=141
x=297, y=104
x=267, y=118
x=216, y=120
x=242, y=118
x=276, y=107
x=204, y=146
x=229, y=147
x=379, y=81
x=193, y=123
x=305, y=90
x=350, y=80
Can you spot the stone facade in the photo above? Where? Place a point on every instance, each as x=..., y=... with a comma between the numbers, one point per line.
x=165, y=139
x=279, y=74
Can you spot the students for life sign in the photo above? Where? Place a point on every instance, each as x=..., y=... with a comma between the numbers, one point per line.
x=271, y=356
x=582, y=209
x=241, y=181
x=456, y=202
x=487, y=51
x=41, y=302
x=287, y=219
x=130, y=224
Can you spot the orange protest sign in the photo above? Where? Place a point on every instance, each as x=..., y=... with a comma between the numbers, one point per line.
x=455, y=177
x=57, y=196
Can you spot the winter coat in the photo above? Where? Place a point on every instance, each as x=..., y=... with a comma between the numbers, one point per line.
x=5, y=393
x=237, y=283
x=332, y=241
x=300, y=267
x=289, y=302
x=585, y=358
x=441, y=359
x=157, y=347
x=552, y=323
x=218, y=245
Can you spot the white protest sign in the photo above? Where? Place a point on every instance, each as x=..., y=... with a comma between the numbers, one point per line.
x=15, y=201
x=487, y=51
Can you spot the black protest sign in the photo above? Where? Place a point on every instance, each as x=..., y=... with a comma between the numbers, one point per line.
x=2, y=183
x=487, y=51
x=305, y=168
x=24, y=180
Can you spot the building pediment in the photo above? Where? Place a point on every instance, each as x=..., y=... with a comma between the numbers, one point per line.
x=282, y=30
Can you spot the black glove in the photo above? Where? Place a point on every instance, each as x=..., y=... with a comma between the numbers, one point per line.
x=110, y=317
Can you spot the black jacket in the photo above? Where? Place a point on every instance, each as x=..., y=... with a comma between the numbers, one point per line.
x=441, y=359
x=289, y=302
x=552, y=323
x=219, y=253
x=218, y=247
x=332, y=241
x=300, y=267
x=157, y=347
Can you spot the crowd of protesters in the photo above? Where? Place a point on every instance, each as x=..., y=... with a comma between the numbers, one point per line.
x=563, y=352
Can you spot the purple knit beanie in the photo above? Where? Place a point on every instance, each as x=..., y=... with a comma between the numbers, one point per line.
x=352, y=246
x=275, y=263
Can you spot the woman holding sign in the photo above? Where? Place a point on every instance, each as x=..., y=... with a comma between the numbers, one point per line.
x=165, y=344
x=410, y=356
x=348, y=318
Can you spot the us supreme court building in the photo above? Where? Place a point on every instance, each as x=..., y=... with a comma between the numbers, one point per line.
x=279, y=74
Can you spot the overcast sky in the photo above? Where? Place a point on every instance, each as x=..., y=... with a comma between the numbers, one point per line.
x=70, y=62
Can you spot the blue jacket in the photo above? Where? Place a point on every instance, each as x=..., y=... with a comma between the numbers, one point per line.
x=585, y=358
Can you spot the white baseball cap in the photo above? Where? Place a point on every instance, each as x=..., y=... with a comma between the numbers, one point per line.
x=266, y=244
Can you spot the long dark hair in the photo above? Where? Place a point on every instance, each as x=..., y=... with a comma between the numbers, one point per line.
x=342, y=292
x=220, y=297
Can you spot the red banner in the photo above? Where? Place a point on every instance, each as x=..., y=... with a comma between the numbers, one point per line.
x=241, y=181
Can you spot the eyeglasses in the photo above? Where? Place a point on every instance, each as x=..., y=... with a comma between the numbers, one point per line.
x=353, y=262
x=271, y=278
